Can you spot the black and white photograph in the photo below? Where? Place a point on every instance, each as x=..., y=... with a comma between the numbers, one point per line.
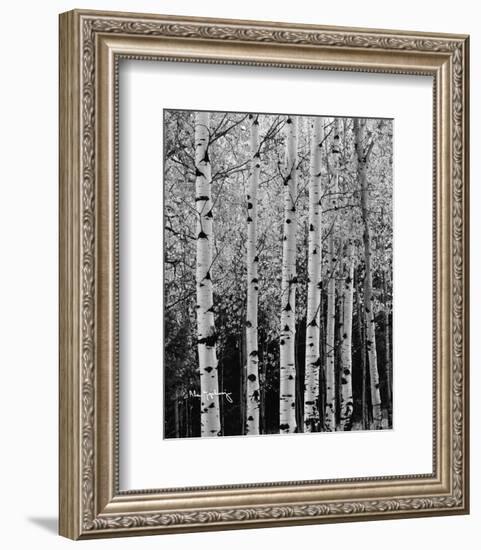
x=277, y=274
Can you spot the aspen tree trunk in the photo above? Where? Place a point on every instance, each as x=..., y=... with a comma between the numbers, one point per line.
x=242, y=385
x=262, y=383
x=287, y=405
x=209, y=388
x=322, y=360
x=299, y=389
x=347, y=403
x=176, y=416
x=362, y=159
x=252, y=370
x=311, y=384
x=339, y=307
x=387, y=352
x=330, y=406
x=362, y=344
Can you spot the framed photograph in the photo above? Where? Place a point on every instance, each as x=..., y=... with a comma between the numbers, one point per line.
x=263, y=274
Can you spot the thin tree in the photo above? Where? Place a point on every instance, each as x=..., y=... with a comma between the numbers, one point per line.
x=252, y=371
x=330, y=404
x=347, y=403
x=387, y=326
x=206, y=334
x=311, y=394
x=287, y=405
x=363, y=153
x=387, y=350
x=362, y=354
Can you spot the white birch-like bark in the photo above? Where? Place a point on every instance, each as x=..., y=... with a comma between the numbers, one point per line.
x=330, y=408
x=252, y=382
x=287, y=405
x=347, y=403
x=209, y=387
x=387, y=352
x=361, y=334
x=311, y=393
x=330, y=404
x=362, y=160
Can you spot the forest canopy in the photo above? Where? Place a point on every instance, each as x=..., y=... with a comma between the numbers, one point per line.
x=277, y=273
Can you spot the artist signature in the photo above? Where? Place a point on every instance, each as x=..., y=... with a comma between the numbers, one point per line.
x=209, y=395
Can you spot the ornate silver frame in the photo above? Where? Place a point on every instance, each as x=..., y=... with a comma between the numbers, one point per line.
x=91, y=44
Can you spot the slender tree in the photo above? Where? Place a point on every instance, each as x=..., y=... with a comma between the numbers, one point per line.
x=330, y=403
x=387, y=350
x=287, y=406
x=311, y=394
x=206, y=334
x=252, y=371
x=347, y=403
x=363, y=154
x=386, y=313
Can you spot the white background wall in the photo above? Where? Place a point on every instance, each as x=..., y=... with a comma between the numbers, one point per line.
x=28, y=273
